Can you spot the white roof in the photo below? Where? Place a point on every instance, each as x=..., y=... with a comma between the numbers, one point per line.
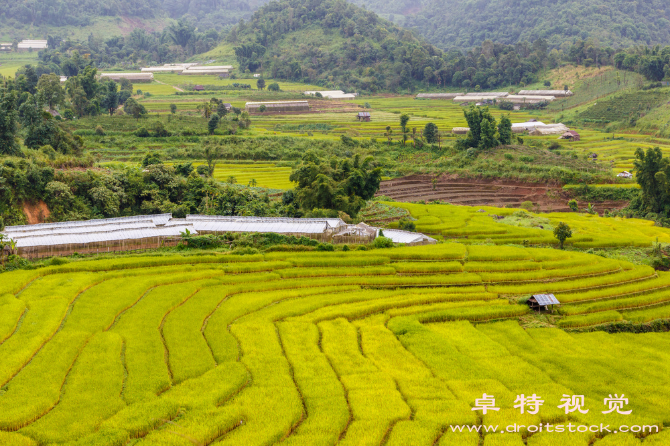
x=528, y=98
x=35, y=44
x=209, y=67
x=495, y=94
x=162, y=69
x=93, y=237
x=547, y=92
x=259, y=224
x=131, y=75
x=333, y=94
x=527, y=125
x=399, y=236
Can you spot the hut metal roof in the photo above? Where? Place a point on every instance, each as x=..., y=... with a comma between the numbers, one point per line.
x=364, y=114
x=546, y=299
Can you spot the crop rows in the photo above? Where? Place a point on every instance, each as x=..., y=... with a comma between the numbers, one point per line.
x=360, y=347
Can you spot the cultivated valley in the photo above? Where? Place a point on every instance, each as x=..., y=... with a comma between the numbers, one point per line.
x=319, y=222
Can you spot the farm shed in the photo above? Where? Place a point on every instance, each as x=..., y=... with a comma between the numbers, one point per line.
x=363, y=116
x=132, y=77
x=571, y=135
x=360, y=233
x=5, y=46
x=489, y=94
x=528, y=99
x=542, y=301
x=527, y=126
x=314, y=228
x=284, y=106
x=460, y=130
x=549, y=129
x=174, y=69
x=333, y=94
x=556, y=93
x=199, y=88
x=625, y=174
x=209, y=67
x=438, y=95
x=27, y=45
x=94, y=236
x=212, y=72
x=408, y=238
x=478, y=97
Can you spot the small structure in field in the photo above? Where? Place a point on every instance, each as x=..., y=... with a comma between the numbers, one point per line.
x=257, y=75
x=199, y=88
x=625, y=174
x=63, y=79
x=438, y=95
x=528, y=99
x=132, y=77
x=490, y=94
x=521, y=127
x=5, y=47
x=332, y=94
x=549, y=129
x=277, y=107
x=571, y=135
x=542, y=301
x=460, y=130
x=228, y=106
x=556, y=93
x=32, y=45
x=363, y=116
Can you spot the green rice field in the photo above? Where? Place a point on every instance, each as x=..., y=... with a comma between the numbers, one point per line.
x=378, y=347
x=477, y=224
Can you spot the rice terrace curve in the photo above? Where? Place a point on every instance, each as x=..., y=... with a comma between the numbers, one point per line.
x=377, y=347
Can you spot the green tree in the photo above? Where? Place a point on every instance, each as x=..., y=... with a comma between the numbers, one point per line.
x=430, y=133
x=213, y=123
x=652, y=172
x=50, y=90
x=562, y=232
x=260, y=83
x=404, y=119
x=8, y=124
x=173, y=108
x=212, y=154
x=110, y=99
x=572, y=204
x=273, y=86
x=505, y=130
x=134, y=108
x=488, y=133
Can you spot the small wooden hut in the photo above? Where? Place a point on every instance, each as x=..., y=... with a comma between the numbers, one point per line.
x=364, y=116
x=460, y=130
x=199, y=88
x=541, y=302
x=571, y=135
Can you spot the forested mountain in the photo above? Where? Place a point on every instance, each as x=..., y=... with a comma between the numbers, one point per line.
x=466, y=23
x=337, y=44
x=208, y=13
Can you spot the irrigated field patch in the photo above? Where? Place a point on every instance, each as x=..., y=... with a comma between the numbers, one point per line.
x=364, y=347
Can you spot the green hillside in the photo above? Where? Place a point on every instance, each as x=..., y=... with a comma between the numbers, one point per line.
x=335, y=44
x=465, y=23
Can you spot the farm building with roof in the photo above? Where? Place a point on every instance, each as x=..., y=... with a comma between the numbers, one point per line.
x=556, y=93
x=542, y=301
x=332, y=94
x=438, y=95
x=132, y=77
x=571, y=135
x=154, y=231
x=363, y=116
x=277, y=107
x=32, y=45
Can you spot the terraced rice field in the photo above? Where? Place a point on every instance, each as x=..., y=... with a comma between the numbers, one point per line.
x=476, y=224
x=376, y=347
x=266, y=175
